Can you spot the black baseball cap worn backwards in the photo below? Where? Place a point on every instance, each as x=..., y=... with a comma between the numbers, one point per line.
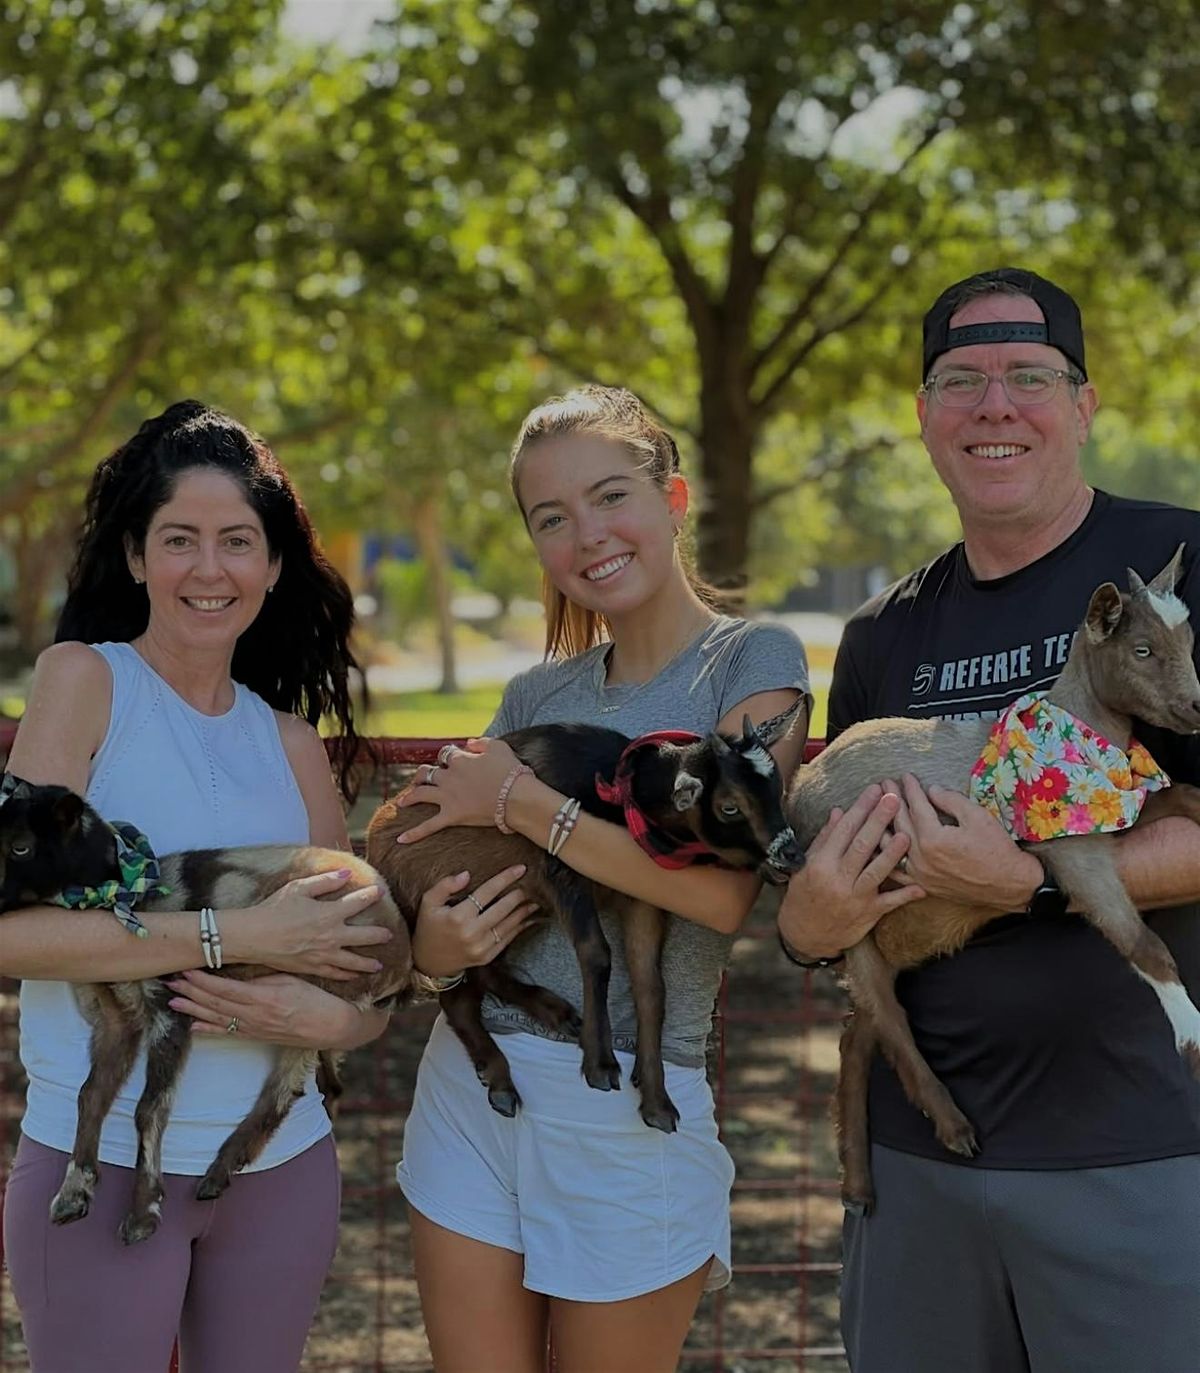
x=1063, y=327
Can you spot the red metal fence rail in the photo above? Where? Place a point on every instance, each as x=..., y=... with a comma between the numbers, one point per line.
x=772, y=1065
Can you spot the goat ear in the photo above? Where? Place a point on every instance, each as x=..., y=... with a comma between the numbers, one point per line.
x=1103, y=613
x=1164, y=583
x=688, y=790
x=67, y=811
x=772, y=730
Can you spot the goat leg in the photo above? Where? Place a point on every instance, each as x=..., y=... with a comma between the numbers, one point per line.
x=577, y=897
x=283, y=1085
x=545, y=1006
x=850, y=1113
x=645, y=929
x=462, y=1006
x=114, y=1046
x=872, y=985
x=168, y=1040
x=1083, y=867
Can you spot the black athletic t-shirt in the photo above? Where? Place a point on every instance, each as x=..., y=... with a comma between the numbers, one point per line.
x=1059, y=1055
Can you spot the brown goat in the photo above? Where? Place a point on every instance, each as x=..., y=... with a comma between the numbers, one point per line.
x=1131, y=657
x=723, y=792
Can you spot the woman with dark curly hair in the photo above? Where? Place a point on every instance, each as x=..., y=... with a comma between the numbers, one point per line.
x=203, y=635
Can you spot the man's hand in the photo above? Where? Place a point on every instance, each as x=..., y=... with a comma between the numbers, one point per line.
x=835, y=898
x=973, y=861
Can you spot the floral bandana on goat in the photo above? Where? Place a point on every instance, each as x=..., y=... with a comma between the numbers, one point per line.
x=139, y=877
x=666, y=850
x=1044, y=774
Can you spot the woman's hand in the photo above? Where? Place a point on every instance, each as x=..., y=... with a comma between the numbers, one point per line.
x=973, y=861
x=835, y=899
x=296, y=933
x=277, y=1008
x=458, y=929
x=464, y=788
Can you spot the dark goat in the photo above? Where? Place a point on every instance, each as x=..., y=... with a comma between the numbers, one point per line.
x=723, y=792
x=51, y=838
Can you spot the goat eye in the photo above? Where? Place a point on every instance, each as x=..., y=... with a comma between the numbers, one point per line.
x=20, y=850
x=1142, y=651
x=729, y=810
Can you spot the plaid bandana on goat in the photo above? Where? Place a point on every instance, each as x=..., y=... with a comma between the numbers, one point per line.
x=1045, y=774
x=139, y=877
x=666, y=850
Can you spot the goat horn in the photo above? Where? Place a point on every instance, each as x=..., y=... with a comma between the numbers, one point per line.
x=1164, y=582
x=771, y=731
x=1136, y=586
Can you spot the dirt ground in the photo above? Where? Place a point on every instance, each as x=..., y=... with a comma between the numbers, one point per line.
x=773, y=1068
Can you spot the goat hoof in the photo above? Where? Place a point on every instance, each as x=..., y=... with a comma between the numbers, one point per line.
x=960, y=1139
x=504, y=1100
x=663, y=1117
x=134, y=1228
x=69, y=1207
x=211, y=1186
x=604, y=1076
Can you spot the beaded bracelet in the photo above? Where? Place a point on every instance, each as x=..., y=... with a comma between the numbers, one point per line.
x=519, y=770
x=809, y=963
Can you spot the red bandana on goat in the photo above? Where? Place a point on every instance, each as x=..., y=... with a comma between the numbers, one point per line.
x=666, y=850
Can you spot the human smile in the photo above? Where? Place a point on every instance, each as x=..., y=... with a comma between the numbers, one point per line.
x=208, y=604
x=997, y=450
x=600, y=572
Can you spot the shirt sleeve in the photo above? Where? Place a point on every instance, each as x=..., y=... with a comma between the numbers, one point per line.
x=848, y=700
x=767, y=657
x=508, y=713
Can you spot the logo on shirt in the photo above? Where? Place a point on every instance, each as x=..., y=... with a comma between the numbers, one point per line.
x=923, y=679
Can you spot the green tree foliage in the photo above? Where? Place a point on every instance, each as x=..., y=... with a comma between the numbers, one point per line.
x=738, y=208
x=801, y=177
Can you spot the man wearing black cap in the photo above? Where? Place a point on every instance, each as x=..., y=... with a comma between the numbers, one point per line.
x=1072, y=1242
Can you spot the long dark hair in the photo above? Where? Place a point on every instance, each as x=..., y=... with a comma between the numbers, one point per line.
x=296, y=655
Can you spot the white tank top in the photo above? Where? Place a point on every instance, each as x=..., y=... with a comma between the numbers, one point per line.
x=188, y=781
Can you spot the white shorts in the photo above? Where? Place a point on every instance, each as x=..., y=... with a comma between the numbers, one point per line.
x=602, y=1206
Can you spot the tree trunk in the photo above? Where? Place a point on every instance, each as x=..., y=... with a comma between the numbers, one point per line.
x=436, y=556
x=728, y=432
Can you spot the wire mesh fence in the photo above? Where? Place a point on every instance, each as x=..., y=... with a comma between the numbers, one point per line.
x=772, y=1065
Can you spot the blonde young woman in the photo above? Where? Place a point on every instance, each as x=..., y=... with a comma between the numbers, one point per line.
x=574, y=1219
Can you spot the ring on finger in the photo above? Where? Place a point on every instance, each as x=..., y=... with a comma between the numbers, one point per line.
x=428, y=772
x=495, y=935
x=445, y=753
x=474, y=900
x=232, y=1027
x=902, y=863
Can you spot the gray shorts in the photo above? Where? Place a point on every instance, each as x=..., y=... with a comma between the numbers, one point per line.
x=990, y=1270
x=601, y=1206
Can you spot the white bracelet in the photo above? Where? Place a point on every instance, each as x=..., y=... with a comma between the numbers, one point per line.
x=561, y=827
x=210, y=937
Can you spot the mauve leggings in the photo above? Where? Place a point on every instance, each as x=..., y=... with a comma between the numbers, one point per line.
x=237, y=1279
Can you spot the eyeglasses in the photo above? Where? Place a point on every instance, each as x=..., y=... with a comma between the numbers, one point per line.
x=960, y=389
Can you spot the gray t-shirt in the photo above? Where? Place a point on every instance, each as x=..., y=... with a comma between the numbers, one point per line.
x=729, y=661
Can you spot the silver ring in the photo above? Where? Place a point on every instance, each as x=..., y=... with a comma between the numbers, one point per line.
x=474, y=900
x=232, y=1027
x=445, y=753
x=430, y=771
x=495, y=936
x=902, y=864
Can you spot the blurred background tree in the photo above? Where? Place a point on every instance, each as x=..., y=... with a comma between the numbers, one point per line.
x=380, y=255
